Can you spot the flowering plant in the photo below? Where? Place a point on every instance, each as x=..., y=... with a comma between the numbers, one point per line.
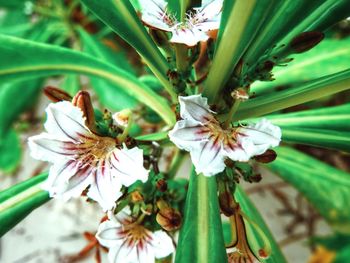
x=139, y=87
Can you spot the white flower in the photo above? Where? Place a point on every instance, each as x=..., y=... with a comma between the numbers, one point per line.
x=195, y=27
x=209, y=144
x=130, y=242
x=81, y=158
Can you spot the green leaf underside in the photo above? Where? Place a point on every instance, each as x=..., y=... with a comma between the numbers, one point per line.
x=20, y=200
x=23, y=59
x=327, y=188
x=250, y=210
x=201, y=236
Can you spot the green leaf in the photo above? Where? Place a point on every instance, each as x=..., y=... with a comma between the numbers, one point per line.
x=325, y=15
x=309, y=91
x=284, y=17
x=24, y=59
x=20, y=200
x=329, y=57
x=327, y=188
x=318, y=137
x=106, y=91
x=201, y=236
x=10, y=152
x=249, y=209
x=71, y=84
x=243, y=22
x=332, y=118
x=122, y=18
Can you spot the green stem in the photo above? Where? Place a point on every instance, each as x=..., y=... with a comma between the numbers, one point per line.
x=181, y=58
x=232, y=112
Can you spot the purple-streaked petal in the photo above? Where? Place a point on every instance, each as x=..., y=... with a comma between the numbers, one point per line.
x=162, y=244
x=105, y=189
x=239, y=151
x=209, y=16
x=262, y=135
x=73, y=185
x=209, y=159
x=46, y=147
x=127, y=165
x=187, y=134
x=109, y=234
x=66, y=122
x=195, y=108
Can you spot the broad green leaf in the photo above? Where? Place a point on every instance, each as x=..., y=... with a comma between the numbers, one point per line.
x=329, y=57
x=332, y=118
x=71, y=84
x=201, y=236
x=309, y=91
x=249, y=209
x=106, y=91
x=122, y=18
x=243, y=22
x=20, y=200
x=23, y=59
x=327, y=188
x=21, y=96
x=10, y=151
x=318, y=137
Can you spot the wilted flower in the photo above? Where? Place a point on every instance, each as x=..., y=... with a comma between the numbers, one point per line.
x=130, y=242
x=82, y=158
x=210, y=144
x=189, y=32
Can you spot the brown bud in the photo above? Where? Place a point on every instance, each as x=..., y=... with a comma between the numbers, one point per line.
x=83, y=101
x=169, y=219
x=306, y=41
x=56, y=94
x=227, y=204
x=162, y=185
x=267, y=157
x=136, y=197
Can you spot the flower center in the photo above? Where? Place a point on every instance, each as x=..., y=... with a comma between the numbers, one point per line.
x=136, y=235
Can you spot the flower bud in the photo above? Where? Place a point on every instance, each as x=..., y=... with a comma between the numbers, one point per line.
x=136, y=197
x=162, y=185
x=56, y=94
x=121, y=118
x=82, y=100
x=169, y=219
x=267, y=157
x=306, y=41
x=240, y=94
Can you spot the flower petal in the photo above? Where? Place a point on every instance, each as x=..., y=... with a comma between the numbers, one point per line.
x=262, y=136
x=108, y=234
x=46, y=148
x=209, y=16
x=189, y=36
x=64, y=185
x=124, y=254
x=154, y=14
x=209, y=159
x=66, y=122
x=105, y=189
x=162, y=244
x=127, y=165
x=195, y=108
x=187, y=134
